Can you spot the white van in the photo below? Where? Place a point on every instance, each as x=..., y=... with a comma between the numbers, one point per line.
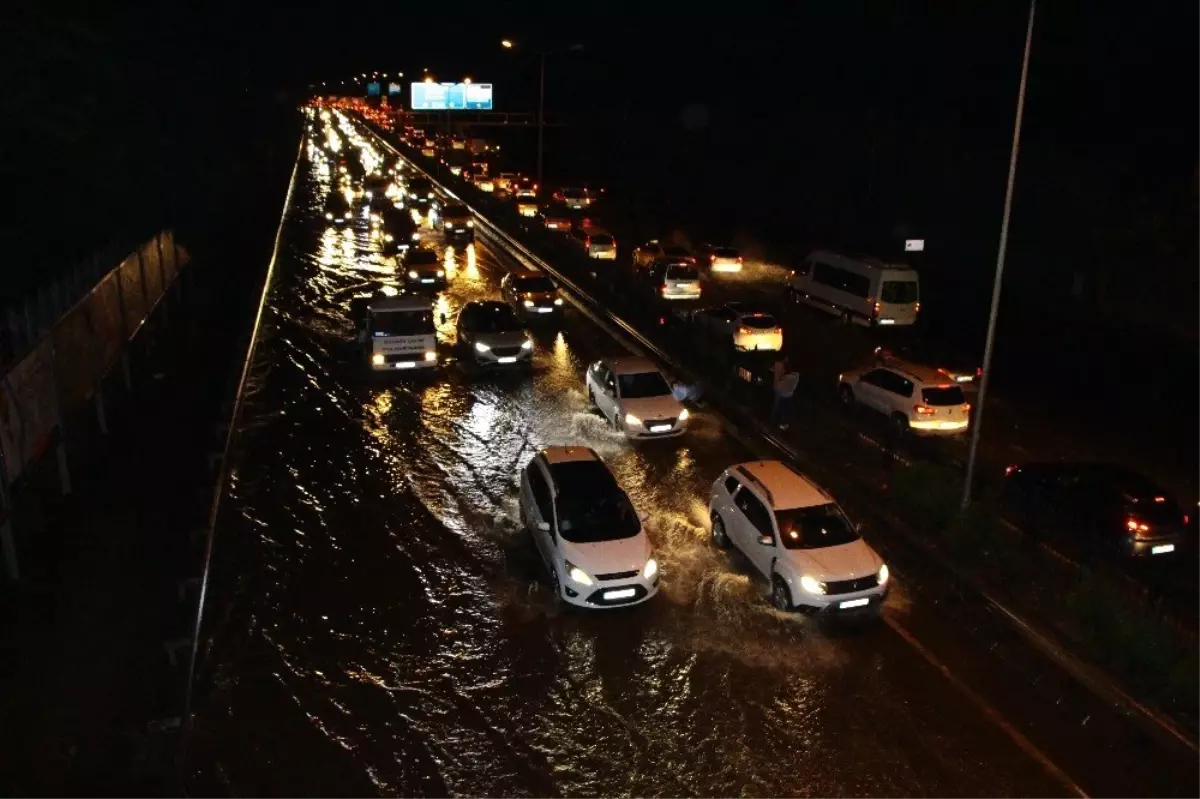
x=860, y=289
x=399, y=333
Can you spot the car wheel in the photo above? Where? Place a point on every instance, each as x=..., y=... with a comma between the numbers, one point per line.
x=899, y=423
x=781, y=598
x=719, y=536
x=846, y=395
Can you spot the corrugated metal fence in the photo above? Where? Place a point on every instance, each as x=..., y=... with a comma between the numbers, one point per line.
x=58, y=346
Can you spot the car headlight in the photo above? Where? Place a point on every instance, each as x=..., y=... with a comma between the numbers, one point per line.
x=481, y=347
x=388, y=237
x=416, y=236
x=377, y=359
x=577, y=574
x=812, y=585
x=632, y=420
x=470, y=223
x=328, y=215
x=527, y=344
x=528, y=303
x=683, y=415
x=430, y=355
x=883, y=574
x=412, y=273
x=650, y=569
x=441, y=273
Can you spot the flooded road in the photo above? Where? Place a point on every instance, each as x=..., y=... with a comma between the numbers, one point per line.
x=383, y=625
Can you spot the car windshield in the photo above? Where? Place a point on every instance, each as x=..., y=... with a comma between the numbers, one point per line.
x=725, y=252
x=421, y=258
x=949, y=395
x=814, y=527
x=643, y=384
x=418, y=184
x=533, y=285
x=456, y=211
x=602, y=240
x=402, y=323
x=760, y=322
x=493, y=319
x=682, y=272
x=572, y=193
x=899, y=291
x=682, y=252
x=591, y=507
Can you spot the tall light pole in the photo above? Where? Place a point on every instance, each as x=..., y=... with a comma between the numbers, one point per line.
x=508, y=44
x=997, y=282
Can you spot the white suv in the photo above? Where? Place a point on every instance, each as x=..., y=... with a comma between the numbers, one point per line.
x=914, y=398
x=635, y=398
x=586, y=529
x=797, y=536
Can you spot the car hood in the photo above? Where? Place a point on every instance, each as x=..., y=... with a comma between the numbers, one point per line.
x=844, y=562
x=423, y=269
x=607, y=557
x=538, y=297
x=513, y=338
x=664, y=407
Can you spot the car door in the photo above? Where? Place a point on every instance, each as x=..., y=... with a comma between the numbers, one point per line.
x=539, y=506
x=896, y=396
x=754, y=520
x=610, y=395
x=869, y=391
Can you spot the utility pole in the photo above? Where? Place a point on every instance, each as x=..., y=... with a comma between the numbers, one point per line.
x=541, y=115
x=977, y=420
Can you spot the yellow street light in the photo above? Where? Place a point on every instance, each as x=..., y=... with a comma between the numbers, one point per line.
x=429, y=79
x=467, y=80
x=506, y=43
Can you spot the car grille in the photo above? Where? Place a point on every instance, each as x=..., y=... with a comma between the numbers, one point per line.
x=597, y=596
x=506, y=352
x=617, y=575
x=850, y=586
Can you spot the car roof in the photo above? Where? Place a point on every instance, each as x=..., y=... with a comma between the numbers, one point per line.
x=389, y=304
x=784, y=486
x=487, y=305
x=841, y=258
x=1121, y=477
x=631, y=365
x=517, y=274
x=567, y=454
x=918, y=373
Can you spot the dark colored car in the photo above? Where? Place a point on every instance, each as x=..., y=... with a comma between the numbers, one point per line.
x=337, y=208
x=1098, y=508
x=423, y=269
x=398, y=228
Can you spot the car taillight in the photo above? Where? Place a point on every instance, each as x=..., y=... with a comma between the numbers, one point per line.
x=877, y=308
x=979, y=371
x=923, y=410
x=916, y=306
x=1136, y=527
x=664, y=290
x=745, y=331
x=1010, y=469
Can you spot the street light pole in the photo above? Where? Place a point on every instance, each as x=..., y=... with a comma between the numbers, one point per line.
x=977, y=421
x=541, y=114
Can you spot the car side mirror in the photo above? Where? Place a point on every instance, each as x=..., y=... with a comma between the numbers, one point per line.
x=544, y=526
x=766, y=541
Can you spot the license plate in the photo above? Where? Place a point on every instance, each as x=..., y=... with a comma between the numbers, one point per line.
x=545, y=310
x=508, y=359
x=406, y=365
x=1162, y=549
x=622, y=593
x=426, y=280
x=854, y=603
x=886, y=321
x=659, y=428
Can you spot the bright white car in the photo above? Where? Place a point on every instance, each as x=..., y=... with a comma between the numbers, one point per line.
x=747, y=329
x=914, y=398
x=635, y=397
x=795, y=534
x=586, y=530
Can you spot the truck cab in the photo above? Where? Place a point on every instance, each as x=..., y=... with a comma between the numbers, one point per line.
x=398, y=333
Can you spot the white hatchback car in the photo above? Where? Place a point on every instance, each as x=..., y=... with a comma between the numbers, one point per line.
x=798, y=538
x=914, y=398
x=586, y=530
x=747, y=329
x=635, y=397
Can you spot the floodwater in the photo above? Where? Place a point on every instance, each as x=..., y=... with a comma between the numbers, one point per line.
x=381, y=623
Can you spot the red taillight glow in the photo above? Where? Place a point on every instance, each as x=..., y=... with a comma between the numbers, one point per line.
x=1135, y=526
x=923, y=410
x=916, y=306
x=1010, y=469
x=877, y=308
